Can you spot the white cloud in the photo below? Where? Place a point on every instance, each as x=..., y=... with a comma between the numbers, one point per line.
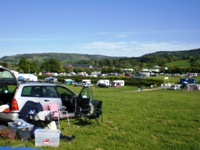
x=119, y=48
x=133, y=48
x=104, y=45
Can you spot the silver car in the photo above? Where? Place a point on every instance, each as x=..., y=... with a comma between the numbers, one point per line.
x=175, y=87
x=13, y=96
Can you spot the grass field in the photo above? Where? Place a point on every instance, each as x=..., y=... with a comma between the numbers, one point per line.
x=160, y=119
x=180, y=63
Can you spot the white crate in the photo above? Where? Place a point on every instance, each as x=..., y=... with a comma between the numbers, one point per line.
x=45, y=137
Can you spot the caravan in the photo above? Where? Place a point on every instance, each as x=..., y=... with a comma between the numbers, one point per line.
x=103, y=83
x=86, y=82
x=118, y=83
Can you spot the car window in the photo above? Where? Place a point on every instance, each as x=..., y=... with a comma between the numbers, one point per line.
x=32, y=91
x=26, y=91
x=7, y=77
x=85, y=94
x=3, y=89
x=7, y=89
x=49, y=91
x=64, y=91
x=39, y=91
x=5, y=74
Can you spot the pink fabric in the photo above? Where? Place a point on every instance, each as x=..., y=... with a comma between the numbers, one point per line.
x=54, y=108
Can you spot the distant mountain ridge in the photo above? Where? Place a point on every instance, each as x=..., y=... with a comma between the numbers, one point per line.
x=193, y=52
x=61, y=57
x=65, y=58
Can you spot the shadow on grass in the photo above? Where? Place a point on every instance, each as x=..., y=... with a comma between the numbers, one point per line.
x=80, y=121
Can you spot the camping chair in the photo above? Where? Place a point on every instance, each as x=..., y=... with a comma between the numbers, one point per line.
x=57, y=113
x=95, y=111
x=85, y=106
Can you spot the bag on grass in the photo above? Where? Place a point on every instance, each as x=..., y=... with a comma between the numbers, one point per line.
x=7, y=134
x=23, y=134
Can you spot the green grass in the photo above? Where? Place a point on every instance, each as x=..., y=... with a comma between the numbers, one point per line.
x=162, y=119
x=179, y=63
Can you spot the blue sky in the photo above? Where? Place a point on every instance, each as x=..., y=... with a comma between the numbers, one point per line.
x=129, y=28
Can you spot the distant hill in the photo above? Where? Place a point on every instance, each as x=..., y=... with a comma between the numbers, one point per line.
x=61, y=57
x=182, y=53
x=70, y=58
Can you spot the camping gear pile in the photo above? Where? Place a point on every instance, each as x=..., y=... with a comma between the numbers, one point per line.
x=35, y=123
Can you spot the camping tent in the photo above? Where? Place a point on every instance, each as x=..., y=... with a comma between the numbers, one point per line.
x=68, y=81
x=192, y=87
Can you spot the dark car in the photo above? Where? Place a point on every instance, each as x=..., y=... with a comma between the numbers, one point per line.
x=102, y=85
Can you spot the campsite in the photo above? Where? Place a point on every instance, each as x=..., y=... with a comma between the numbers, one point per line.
x=99, y=75
x=132, y=119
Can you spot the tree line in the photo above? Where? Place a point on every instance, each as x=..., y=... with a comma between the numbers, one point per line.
x=107, y=64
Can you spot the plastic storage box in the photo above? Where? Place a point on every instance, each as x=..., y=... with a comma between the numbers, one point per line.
x=45, y=137
x=19, y=124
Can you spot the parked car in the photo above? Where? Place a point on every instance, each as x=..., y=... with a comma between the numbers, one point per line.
x=175, y=87
x=15, y=95
x=102, y=85
x=51, y=79
x=77, y=83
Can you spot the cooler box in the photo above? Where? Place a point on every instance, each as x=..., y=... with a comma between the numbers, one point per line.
x=45, y=137
x=19, y=124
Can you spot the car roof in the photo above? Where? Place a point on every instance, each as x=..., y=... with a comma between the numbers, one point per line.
x=43, y=84
x=38, y=83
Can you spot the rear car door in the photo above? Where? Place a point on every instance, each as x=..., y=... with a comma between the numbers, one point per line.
x=41, y=94
x=50, y=95
x=8, y=84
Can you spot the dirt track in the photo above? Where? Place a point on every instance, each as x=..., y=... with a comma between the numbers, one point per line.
x=152, y=89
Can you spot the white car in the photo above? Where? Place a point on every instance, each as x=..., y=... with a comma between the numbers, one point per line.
x=175, y=87
x=13, y=96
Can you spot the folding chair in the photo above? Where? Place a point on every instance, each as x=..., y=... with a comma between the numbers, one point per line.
x=95, y=111
x=57, y=113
